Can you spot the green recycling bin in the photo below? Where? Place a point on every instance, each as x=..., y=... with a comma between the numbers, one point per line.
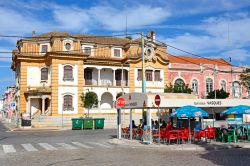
x=76, y=123
x=99, y=123
x=87, y=123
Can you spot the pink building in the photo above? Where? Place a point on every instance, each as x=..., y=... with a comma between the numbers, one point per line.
x=8, y=98
x=203, y=75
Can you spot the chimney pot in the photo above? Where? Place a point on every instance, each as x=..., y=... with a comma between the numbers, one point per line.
x=153, y=36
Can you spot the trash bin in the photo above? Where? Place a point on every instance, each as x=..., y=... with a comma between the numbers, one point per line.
x=25, y=120
x=87, y=123
x=76, y=123
x=99, y=123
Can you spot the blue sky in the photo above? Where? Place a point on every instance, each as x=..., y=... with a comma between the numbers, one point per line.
x=213, y=28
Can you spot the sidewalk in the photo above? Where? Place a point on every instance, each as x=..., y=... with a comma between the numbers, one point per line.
x=188, y=147
x=12, y=127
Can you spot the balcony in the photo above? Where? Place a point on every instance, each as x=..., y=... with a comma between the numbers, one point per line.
x=90, y=82
x=121, y=83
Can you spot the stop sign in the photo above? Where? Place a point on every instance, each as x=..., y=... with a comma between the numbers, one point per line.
x=120, y=102
x=157, y=100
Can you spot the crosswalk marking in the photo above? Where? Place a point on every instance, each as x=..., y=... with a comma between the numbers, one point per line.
x=47, y=146
x=9, y=149
x=81, y=145
x=99, y=144
x=29, y=147
x=67, y=146
x=76, y=145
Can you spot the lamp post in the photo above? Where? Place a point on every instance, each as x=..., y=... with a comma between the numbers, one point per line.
x=143, y=70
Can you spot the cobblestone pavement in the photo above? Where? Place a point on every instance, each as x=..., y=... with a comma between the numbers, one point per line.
x=79, y=148
x=128, y=156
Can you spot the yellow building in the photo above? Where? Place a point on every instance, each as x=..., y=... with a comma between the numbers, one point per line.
x=55, y=68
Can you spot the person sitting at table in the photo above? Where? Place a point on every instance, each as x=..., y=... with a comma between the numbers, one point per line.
x=156, y=124
x=141, y=125
x=152, y=124
x=197, y=126
x=163, y=125
x=169, y=126
x=133, y=125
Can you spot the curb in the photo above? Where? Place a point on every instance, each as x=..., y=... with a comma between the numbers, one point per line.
x=11, y=128
x=182, y=147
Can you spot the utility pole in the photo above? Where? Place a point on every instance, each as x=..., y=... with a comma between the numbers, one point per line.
x=143, y=64
x=215, y=81
x=143, y=70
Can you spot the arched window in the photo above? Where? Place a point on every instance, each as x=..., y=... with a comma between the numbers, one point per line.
x=179, y=82
x=68, y=73
x=68, y=103
x=223, y=85
x=44, y=74
x=209, y=85
x=195, y=86
x=236, y=89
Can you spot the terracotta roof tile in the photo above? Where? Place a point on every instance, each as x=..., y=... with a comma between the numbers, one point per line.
x=194, y=60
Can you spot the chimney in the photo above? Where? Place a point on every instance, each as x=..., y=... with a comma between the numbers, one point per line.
x=153, y=36
x=33, y=33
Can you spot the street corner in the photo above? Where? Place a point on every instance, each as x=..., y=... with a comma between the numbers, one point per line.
x=125, y=142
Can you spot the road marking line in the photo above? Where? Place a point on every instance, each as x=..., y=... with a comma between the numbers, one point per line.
x=47, y=146
x=99, y=144
x=67, y=146
x=29, y=147
x=9, y=149
x=81, y=145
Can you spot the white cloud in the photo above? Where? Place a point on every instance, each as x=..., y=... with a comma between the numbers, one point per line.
x=74, y=19
x=108, y=17
x=13, y=22
x=184, y=7
x=115, y=19
x=237, y=55
x=214, y=37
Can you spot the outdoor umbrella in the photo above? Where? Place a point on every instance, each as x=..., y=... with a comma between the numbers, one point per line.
x=188, y=112
x=240, y=109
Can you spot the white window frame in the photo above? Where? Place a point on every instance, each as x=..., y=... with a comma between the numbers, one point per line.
x=71, y=43
x=66, y=79
x=206, y=85
x=225, y=84
x=83, y=46
x=47, y=73
x=233, y=90
x=197, y=85
x=48, y=48
x=113, y=52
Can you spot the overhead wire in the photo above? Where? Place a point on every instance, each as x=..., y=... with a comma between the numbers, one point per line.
x=209, y=59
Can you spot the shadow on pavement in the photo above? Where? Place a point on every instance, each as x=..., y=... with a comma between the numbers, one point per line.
x=226, y=154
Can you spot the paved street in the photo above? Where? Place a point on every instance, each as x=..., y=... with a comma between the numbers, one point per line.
x=52, y=148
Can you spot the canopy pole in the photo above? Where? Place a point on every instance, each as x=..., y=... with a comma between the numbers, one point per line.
x=131, y=127
x=119, y=123
x=189, y=130
x=159, y=135
x=149, y=123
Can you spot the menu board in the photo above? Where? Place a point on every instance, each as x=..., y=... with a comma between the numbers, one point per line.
x=235, y=119
x=246, y=118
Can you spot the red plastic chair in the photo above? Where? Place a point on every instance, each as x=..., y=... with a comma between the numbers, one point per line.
x=125, y=132
x=185, y=135
x=211, y=133
x=171, y=136
x=199, y=134
x=139, y=133
x=163, y=134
